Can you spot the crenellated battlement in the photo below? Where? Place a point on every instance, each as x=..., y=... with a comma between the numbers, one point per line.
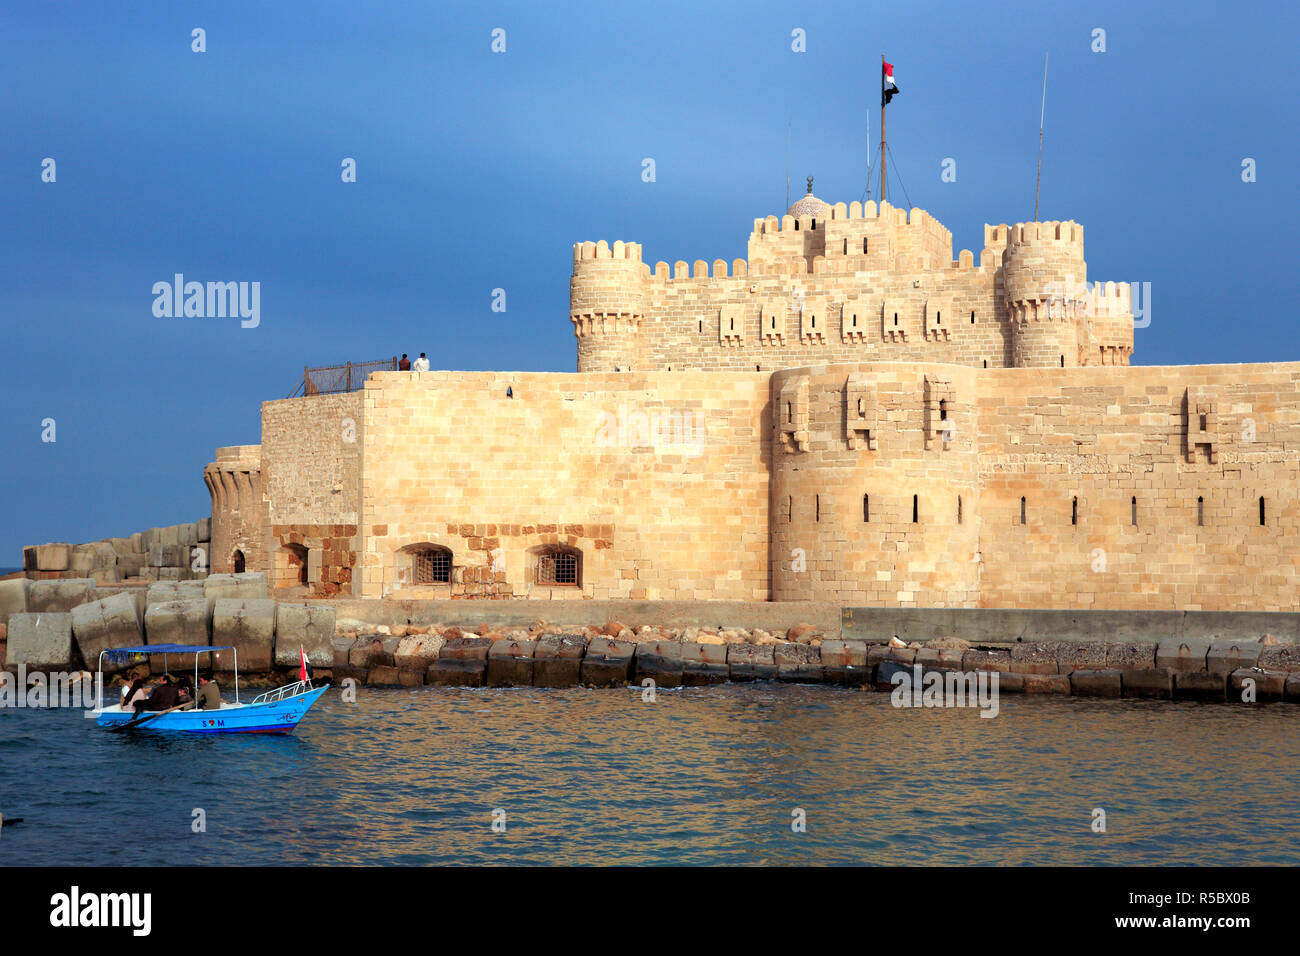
x=603, y=250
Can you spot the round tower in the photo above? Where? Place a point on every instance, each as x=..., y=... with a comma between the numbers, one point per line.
x=1045, y=291
x=234, y=483
x=606, y=305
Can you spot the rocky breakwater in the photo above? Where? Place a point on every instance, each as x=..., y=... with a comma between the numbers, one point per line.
x=548, y=655
x=64, y=625
x=177, y=552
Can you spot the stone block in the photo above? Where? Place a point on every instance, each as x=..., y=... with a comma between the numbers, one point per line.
x=1182, y=653
x=13, y=597
x=61, y=595
x=168, y=574
x=53, y=557
x=1157, y=682
x=465, y=649
x=456, y=672
x=1268, y=685
x=844, y=654
x=248, y=626
x=102, y=625
x=1200, y=685
x=1291, y=690
x=1097, y=683
x=306, y=626
x=383, y=676
x=1229, y=654
x=181, y=621
x=129, y=565
x=661, y=661
x=939, y=659
x=557, y=660
x=704, y=664
x=120, y=546
x=1283, y=657
x=1035, y=657
x=187, y=535
x=363, y=649
x=1010, y=682
x=411, y=676
x=418, y=651
x=1046, y=683
x=1080, y=655
x=149, y=574
x=41, y=641
x=203, y=529
x=1130, y=657
x=798, y=663
x=751, y=662
x=510, y=663
x=878, y=653
x=986, y=660
x=250, y=584
x=167, y=535
x=850, y=676
x=607, y=663
x=137, y=543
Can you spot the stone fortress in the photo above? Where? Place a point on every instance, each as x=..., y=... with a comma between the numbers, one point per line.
x=851, y=415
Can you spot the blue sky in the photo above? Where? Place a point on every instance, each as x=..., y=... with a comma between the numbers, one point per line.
x=479, y=171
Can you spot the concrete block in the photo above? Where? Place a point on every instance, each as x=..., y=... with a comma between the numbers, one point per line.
x=986, y=660
x=1200, y=685
x=939, y=659
x=41, y=641
x=607, y=663
x=306, y=626
x=1283, y=657
x=148, y=573
x=557, y=660
x=1097, y=683
x=1130, y=657
x=1080, y=655
x=105, y=576
x=181, y=621
x=383, y=676
x=187, y=535
x=1157, y=682
x=247, y=625
x=1268, y=685
x=169, y=574
x=203, y=529
x=250, y=584
x=13, y=597
x=1183, y=654
x=81, y=560
x=129, y=565
x=1291, y=690
x=1229, y=654
x=751, y=662
x=368, y=651
x=1035, y=657
x=877, y=653
x=1010, y=683
x=29, y=558
x=53, y=557
x=137, y=543
x=456, y=672
x=798, y=663
x=61, y=595
x=1046, y=683
x=465, y=649
x=411, y=676
x=704, y=664
x=844, y=654
x=510, y=663
x=101, y=625
x=120, y=546
x=418, y=651
x=661, y=661
x=167, y=535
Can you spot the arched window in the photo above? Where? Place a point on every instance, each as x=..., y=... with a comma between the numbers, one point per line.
x=557, y=566
x=238, y=562
x=430, y=564
x=295, y=565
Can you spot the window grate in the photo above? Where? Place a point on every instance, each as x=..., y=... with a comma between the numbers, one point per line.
x=559, y=568
x=432, y=567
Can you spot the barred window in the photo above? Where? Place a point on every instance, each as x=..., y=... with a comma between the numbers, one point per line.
x=431, y=566
x=559, y=567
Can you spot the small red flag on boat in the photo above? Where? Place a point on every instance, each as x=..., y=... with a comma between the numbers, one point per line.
x=302, y=670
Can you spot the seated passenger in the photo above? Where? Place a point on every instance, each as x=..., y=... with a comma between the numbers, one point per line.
x=209, y=696
x=185, y=691
x=162, y=698
x=133, y=692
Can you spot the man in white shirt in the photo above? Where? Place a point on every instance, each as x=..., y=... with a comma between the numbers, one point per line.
x=421, y=364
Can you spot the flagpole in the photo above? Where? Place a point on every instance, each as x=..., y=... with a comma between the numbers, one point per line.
x=882, y=127
x=1042, y=115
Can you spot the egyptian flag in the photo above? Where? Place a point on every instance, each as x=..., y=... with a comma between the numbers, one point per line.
x=304, y=670
x=887, y=86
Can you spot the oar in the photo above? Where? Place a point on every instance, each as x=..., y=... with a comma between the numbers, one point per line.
x=144, y=720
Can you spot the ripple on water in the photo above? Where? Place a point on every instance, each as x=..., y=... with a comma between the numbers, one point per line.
x=698, y=777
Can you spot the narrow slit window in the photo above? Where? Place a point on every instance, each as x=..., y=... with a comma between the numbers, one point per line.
x=986, y=363
x=972, y=318
x=959, y=515
x=895, y=318
x=701, y=325
x=943, y=409
x=1022, y=510
x=789, y=507
x=916, y=514
x=1133, y=508
x=866, y=508
x=846, y=247
x=1074, y=511
x=789, y=412
x=1261, y=510
x=1062, y=361
x=817, y=503
x=1200, y=511
x=864, y=247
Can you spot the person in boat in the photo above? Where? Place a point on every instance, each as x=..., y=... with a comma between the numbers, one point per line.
x=162, y=698
x=185, y=690
x=135, y=691
x=209, y=696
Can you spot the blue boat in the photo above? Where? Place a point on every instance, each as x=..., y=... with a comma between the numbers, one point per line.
x=274, y=712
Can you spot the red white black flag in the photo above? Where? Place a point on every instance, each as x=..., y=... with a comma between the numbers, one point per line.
x=887, y=86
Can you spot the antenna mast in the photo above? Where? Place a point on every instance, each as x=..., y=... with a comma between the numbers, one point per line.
x=1041, y=117
x=787, y=163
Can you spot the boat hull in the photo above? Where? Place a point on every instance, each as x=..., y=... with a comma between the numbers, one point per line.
x=278, y=717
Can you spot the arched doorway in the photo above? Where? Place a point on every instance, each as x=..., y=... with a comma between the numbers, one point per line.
x=239, y=562
x=296, y=565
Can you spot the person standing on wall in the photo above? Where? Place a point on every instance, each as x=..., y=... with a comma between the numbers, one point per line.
x=421, y=364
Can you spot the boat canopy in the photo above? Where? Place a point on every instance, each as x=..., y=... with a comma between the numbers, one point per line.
x=166, y=649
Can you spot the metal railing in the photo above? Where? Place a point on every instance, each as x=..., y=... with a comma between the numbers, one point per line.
x=348, y=377
x=280, y=693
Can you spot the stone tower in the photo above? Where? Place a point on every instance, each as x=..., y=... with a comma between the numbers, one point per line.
x=1045, y=293
x=606, y=305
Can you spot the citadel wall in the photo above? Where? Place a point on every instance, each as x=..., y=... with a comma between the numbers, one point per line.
x=659, y=480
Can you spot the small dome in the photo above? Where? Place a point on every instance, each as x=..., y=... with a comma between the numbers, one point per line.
x=809, y=205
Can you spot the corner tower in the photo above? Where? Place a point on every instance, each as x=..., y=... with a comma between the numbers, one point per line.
x=1045, y=293
x=607, y=305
